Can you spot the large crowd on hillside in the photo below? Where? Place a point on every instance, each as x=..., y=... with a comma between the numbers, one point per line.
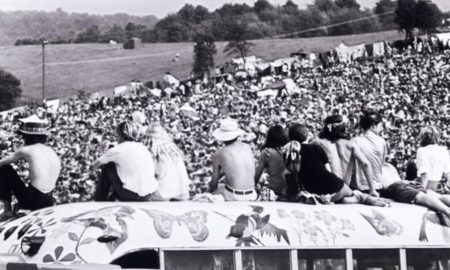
x=409, y=89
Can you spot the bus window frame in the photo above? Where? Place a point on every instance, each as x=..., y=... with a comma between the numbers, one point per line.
x=293, y=253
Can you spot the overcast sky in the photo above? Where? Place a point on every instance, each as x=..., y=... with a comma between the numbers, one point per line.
x=160, y=8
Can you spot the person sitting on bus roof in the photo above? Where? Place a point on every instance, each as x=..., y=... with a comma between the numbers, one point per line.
x=343, y=153
x=169, y=164
x=374, y=147
x=315, y=175
x=235, y=162
x=128, y=172
x=44, y=170
x=271, y=159
x=433, y=160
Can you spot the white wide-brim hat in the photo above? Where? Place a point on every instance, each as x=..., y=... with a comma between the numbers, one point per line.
x=228, y=130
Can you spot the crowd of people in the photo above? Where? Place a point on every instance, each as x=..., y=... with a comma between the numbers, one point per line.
x=409, y=89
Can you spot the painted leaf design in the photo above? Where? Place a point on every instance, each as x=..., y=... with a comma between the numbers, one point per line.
x=68, y=258
x=48, y=258
x=48, y=212
x=73, y=236
x=87, y=241
x=23, y=231
x=9, y=232
x=58, y=252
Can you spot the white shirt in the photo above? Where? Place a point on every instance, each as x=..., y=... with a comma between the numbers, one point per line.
x=434, y=160
x=374, y=149
x=134, y=165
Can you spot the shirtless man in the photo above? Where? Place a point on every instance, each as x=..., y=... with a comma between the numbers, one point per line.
x=235, y=162
x=343, y=153
x=44, y=169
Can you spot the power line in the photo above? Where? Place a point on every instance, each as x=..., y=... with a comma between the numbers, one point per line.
x=330, y=25
x=110, y=59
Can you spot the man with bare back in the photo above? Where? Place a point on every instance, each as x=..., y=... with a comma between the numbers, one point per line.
x=235, y=163
x=44, y=169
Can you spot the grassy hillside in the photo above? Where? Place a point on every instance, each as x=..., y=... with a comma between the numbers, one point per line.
x=95, y=67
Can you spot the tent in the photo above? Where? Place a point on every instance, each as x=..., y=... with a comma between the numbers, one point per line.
x=120, y=90
x=248, y=59
x=444, y=38
x=170, y=81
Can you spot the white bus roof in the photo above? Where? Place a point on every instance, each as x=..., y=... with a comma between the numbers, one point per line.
x=101, y=232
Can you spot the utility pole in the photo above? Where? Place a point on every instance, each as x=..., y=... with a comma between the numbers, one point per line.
x=44, y=42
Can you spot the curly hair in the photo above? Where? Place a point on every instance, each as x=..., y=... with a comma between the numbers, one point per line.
x=127, y=130
x=369, y=120
x=429, y=135
x=334, y=128
x=276, y=137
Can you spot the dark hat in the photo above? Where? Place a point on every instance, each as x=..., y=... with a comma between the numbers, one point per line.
x=33, y=125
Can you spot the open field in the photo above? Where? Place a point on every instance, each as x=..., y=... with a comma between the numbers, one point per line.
x=96, y=67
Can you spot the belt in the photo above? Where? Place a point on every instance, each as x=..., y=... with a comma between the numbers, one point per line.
x=239, y=192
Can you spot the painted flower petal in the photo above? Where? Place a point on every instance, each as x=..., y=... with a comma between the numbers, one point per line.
x=58, y=252
x=68, y=258
x=48, y=258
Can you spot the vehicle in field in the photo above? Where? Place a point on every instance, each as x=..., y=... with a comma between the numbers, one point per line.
x=229, y=235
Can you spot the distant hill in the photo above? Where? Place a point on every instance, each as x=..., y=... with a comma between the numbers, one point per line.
x=59, y=24
x=96, y=67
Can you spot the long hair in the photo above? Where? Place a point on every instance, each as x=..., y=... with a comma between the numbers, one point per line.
x=370, y=119
x=34, y=139
x=127, y=130
x=276, y=137
x=334, y=128
x=429, y=135
x=298, y=132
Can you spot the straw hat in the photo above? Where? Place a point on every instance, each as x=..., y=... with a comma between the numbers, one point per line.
x=33, y=125
x=228, y=130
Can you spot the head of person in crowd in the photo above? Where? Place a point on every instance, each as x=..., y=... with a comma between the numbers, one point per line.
x=335, y=128
x=276, y=137
x=228, y=132
x=429, y=135
x=127, y=131
x=298, y=132
x=371, y=121
x=33, y=130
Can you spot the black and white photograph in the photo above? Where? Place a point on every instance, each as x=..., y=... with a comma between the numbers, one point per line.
x=225, y=135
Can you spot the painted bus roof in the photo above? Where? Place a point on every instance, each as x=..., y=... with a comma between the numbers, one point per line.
x=96, y=232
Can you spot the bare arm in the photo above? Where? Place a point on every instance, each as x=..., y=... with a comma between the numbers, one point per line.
x=215, y=174
x=18, y=155
x=260, y=168
x=424, y=178
x=97, y=164
x=365, y=165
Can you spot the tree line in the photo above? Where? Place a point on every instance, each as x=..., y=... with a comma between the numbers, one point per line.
x=60, y=26
x=263, y=19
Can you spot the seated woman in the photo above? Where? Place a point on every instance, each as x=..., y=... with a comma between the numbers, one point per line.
x=128, y=172
x=433, y=160
x=170, y=169
x=315, y=175
x=271, y=160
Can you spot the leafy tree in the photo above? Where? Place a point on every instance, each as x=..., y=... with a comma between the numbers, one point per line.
x=290, y=8
x=237, y=35
x=351, y=4
x=382, y=7
x=406, y=15
x=204, y=51
x=91, y=35
x=10, y=90
x=325, y=5
x=429, y=16
x=116, y=33
x=262, y=5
